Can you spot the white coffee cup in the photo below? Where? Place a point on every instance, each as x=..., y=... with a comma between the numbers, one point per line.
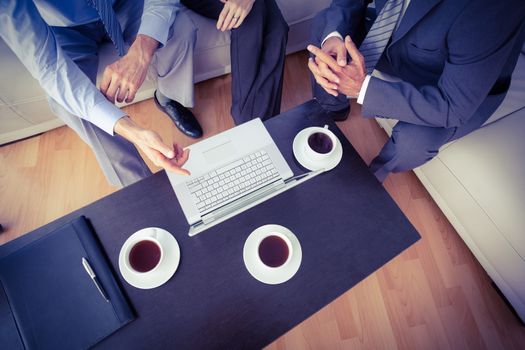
x=313, y=154
x=151, y=237
x=282, y=237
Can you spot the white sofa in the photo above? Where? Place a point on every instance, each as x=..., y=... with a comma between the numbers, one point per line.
x=23, y=106
x=479, y=183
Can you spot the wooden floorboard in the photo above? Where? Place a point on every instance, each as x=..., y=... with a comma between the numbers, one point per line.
x=434, y=295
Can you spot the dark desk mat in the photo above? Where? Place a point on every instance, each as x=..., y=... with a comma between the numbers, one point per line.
x=346, y=222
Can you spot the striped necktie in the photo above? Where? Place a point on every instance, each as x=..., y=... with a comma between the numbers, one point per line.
x=110, y=21
x=379, y=35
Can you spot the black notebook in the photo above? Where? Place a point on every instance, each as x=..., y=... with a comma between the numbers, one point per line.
x=48, y=300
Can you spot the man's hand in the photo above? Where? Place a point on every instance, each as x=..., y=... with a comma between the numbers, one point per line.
x=169, y=158
x=334, y=78
x=353, y=75
x=335, y=47
x=125, y=76
x=233, y=13
x=324, y=69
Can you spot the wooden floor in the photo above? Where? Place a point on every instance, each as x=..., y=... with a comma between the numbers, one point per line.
x=433, y=296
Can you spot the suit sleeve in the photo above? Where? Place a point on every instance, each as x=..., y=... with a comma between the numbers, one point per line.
x=479, y=44
x=344, y=17
x=157, y=18
x=34, y=43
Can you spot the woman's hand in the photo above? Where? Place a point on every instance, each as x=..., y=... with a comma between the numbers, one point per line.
x=233, y=13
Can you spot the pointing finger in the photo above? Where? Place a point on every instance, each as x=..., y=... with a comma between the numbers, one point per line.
x=321, y=55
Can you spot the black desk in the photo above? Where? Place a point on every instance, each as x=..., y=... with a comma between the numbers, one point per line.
x=346, y=222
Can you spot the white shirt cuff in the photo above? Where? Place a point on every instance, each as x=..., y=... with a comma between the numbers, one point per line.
x=155, y=28
x=362, y=92
x=334, y=33
x=105, y=116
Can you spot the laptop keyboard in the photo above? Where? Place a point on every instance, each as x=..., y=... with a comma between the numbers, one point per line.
x=232, y=181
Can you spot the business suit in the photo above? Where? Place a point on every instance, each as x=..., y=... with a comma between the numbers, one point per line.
x=454, y=59
x=257, y=51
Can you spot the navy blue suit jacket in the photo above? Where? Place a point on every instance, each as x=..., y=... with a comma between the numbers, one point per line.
x=451, y=55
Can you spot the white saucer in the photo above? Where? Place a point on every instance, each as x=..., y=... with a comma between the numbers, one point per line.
x=264, y=273
x=298, y=150
x=164, y=271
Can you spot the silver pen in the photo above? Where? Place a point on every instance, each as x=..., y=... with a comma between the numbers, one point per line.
x=94, y=278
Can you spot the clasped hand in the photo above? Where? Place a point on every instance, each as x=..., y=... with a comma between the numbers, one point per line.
x=337, y=77
x=123, y=78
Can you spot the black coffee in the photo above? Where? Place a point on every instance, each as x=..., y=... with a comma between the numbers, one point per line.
x=144, y=256
x=320, y=142
x=273, y=251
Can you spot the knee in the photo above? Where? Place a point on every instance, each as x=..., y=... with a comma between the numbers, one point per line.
x=184, y=32
x=177, y=49
x=280, y=23
x=279, y=31
x=282, y=27
x=276, y=24
x=187, y=37
x=411, y=149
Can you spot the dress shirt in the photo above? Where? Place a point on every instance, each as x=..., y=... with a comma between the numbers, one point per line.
x=364, y=86
x=25, y=27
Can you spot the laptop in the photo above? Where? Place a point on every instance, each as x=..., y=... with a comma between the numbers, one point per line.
x=230, y=173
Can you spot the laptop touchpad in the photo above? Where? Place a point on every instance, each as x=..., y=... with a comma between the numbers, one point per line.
x=220, y=152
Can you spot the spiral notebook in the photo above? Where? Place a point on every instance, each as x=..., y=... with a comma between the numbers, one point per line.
x=48, y=300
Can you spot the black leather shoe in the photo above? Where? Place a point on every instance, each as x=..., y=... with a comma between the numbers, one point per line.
x=182, y=117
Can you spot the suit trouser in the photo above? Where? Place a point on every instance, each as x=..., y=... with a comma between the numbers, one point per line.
x=413, y=145
x=257, y=53
x=119, y=159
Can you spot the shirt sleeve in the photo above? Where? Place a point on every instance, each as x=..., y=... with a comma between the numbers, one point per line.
x=33, y=42
x=344, y=16
x=332, y=34
x=157, y=18
x=362, y=92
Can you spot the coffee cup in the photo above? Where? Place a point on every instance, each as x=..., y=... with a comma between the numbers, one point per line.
x=274, y=250
x=320, y=144
x=144, y=255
